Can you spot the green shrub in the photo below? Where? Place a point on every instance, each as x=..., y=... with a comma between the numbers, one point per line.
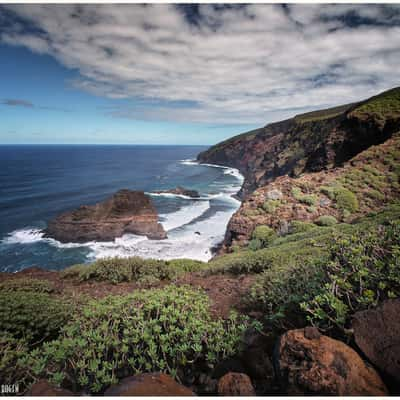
x=376, y=195
x=301, y=226
x=27, y=285
x=308, y=199
x=264, y=234
x=372, y=170
x=32, y=317
x=168, y=330
x=251, y=212
x=326, y=220
x=363, y=269
x=270, y=206
x=116, y=270
x=182, y=265
x=282, y=252
x=255, y=244
x=346, y=200
x=279, y=291
x=328, y=191
x=11, y=352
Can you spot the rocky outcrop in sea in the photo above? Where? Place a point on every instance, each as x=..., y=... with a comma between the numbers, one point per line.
x=127, y=211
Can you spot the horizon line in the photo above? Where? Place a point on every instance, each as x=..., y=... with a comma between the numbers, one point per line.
x=100, y=144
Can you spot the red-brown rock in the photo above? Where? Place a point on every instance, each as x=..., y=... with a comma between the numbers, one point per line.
x=126, y=211
x=149, y=384
x=44, y=388
x=235, y=384
x=311, y=363
x=377, y=334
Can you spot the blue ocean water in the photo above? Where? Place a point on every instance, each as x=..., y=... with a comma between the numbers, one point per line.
x=39, y=182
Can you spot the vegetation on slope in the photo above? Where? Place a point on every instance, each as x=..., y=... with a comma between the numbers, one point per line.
x=351, y=268
x=309, y=142
x=132, y=269
x=385, y=106
x=365, y=184
x=167, y=329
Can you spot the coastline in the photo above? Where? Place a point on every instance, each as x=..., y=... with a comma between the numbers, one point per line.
x=195, y=232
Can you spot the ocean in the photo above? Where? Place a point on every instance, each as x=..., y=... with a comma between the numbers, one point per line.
x=39, y=182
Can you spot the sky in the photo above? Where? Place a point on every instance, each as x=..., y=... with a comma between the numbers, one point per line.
x=184, y=74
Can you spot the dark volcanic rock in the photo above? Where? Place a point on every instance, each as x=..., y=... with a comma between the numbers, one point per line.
x=310, y=363
x=149, y=384
x=126, y=211
x=235, y=384
x=182, y=191
x=44, y=388
x=377, y=334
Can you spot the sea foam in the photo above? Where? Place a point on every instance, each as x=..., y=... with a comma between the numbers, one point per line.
x=190, y=233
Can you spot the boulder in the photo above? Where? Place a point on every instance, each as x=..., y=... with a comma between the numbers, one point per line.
x=126, y=211
x=235, y=384
x=148, y=384
x=44, y=388
x=179, y=190
x=377, y=334
x=283, y=227
x=274, y=194
x=308, y=363
x=256, y=355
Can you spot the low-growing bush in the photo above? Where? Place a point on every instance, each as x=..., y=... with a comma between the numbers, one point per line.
x=270, y=206
x=116, y=270
x=326, y=220
x=11, y=352
x=264, y=234
x=309, y=199
x=31, y=317
x=27, y=285
x=167, y=330
x=301, y=226
x=328, y=191
x=362, y=270
x=375, y=194
x=255, y=244
x=346, y=200
x=282, y=254
x=279, y=291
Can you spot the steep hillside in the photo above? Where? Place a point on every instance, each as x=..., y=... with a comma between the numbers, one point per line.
x=364, y=184
x=309, y=142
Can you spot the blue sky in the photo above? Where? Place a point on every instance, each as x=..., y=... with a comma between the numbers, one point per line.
x=167, y=74
x=50, y=110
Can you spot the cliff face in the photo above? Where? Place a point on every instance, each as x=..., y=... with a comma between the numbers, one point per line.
x=126, y=211
x=365, y=184
x=309, y=142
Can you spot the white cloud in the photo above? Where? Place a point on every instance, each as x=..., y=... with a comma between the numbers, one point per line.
x=237, y=65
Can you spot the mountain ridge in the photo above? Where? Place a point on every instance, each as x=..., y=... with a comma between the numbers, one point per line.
x=308, y=142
